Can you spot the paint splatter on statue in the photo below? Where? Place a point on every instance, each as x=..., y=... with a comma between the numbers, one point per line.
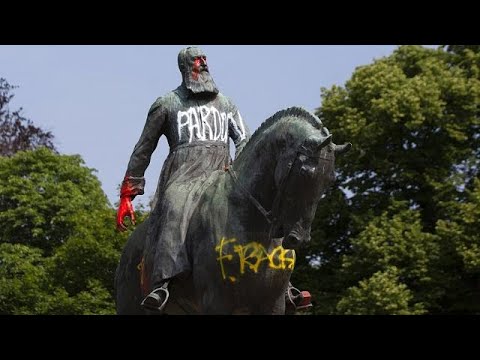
x=251, y=255
x=208, y=123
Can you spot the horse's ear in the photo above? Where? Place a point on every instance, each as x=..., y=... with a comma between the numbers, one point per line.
x=322, y=142
x=315, y=144
x=342, y=149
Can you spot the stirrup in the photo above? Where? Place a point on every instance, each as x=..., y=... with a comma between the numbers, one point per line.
x=304, y=296
x=155, y=296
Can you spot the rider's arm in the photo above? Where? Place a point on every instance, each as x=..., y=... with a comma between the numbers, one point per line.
x=134, y=182
x=146, y=145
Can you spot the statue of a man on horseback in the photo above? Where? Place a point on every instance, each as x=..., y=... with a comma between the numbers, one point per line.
x=198, y=122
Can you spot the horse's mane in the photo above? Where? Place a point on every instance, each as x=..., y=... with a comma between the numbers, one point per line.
x=292, y=111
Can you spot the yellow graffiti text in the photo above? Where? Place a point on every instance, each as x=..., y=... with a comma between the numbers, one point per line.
x=222, y=257
x=251, y=256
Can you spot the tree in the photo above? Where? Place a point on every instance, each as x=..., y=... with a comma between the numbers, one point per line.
x=395, y=239
x=382, y=294
x=27, y=289
x=460, y=232
x=413, y=119
x=45, y=198
x=58, y=244
x=22, y=278
x=17, y=132
x=83, y=259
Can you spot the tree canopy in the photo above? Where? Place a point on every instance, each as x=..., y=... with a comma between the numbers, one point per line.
x=58, y=245
x=403, y=193
x=46, y=198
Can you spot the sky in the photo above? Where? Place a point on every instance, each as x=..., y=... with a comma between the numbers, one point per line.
x=95, y=98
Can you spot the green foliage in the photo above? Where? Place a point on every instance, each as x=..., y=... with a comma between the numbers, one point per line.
x=22, y=278
x=463, y=229
x=58, y=244
x=45, y=198
x=460, y=236
x=94, y=300
x=466, y=57
x=413, y=120
x=413, y=117
x=92, y=255
x=395, y=239
x=83, y=259
x=381, y=294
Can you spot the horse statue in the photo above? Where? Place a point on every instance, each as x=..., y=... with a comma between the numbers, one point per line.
x=251, y=217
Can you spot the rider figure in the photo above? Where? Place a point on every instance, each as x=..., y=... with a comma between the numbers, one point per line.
x=197, y=121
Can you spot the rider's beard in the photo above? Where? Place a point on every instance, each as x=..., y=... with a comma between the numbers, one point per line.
x=204, y=83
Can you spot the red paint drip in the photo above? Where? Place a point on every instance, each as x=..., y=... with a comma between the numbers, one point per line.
x=196, y=68
x=144, y=280
x=127, y=188
x=126, y=207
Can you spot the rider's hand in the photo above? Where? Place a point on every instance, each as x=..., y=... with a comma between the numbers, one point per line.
x=125, y=209
x=131, y=187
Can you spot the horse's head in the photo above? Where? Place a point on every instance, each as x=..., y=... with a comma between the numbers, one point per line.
x=286, y=167
x=302, y=175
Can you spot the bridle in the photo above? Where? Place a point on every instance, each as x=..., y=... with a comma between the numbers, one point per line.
x=271, y=216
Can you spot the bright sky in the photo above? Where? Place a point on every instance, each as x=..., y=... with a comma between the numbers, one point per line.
x=95, y=98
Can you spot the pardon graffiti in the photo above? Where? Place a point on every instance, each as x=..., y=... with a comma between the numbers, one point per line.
x=208, y=123
x=251, y=256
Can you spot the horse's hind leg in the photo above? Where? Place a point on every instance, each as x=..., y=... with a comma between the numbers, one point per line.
x=128, y=293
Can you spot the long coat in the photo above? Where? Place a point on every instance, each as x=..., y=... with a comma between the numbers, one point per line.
x=198, y=131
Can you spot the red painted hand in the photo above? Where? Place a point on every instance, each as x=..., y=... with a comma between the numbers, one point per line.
x=125, y=210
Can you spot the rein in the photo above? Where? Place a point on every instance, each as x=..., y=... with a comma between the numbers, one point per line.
x=255, y=202
x=268, y=215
